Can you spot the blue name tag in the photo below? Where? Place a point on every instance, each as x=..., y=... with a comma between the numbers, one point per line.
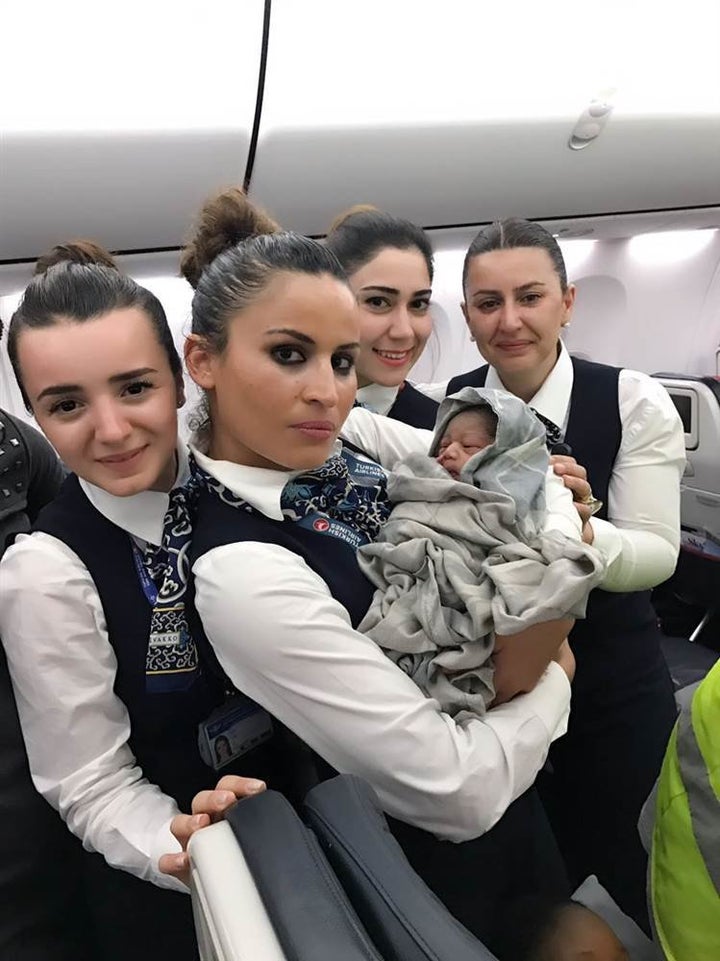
x=233, y=729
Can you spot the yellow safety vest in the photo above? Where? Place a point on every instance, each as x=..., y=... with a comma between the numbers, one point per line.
x=685, y=857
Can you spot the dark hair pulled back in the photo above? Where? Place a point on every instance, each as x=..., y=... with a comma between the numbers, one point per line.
x=362, y=232
x=233, y=255
x=80, y=281
x=511, y=233
x=77, y=252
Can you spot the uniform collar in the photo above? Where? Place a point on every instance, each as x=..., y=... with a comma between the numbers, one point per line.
x=377, y=398
x=261, y=487
x=142, y=514
x=553, y=398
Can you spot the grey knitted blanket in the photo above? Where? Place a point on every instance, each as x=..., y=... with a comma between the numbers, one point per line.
x=459, y=560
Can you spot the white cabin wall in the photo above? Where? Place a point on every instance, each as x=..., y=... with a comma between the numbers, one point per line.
x=647, y=309
x=651, y=303
x=648, y=303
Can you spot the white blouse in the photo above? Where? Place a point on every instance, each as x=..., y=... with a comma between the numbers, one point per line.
x=377, y=398
x=641, y=538
x=286, y=642
x=63, y=669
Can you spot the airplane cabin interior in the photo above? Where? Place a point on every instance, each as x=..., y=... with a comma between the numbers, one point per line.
x=603, y=126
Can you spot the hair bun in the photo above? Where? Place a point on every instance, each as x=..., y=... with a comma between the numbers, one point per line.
x=225, y=221
x=75, y=252
x=351, y=212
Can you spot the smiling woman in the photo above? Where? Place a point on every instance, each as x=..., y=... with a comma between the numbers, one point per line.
x=106, y=397
x=389, y=263
x=92, y=608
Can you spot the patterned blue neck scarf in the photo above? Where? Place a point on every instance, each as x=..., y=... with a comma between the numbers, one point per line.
x=346, y=497
x=172, y=659
x=553, y=434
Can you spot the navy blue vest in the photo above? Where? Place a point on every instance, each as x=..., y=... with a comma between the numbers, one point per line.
x=218, y=523
x=594, y=432
x=164, y=727
x=413, y=408
x=294, y=769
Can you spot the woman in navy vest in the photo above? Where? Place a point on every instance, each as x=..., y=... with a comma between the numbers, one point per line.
x=110, y=687
x=282, y=508
x=389, y=263
x=42, y=916
x=627, y=441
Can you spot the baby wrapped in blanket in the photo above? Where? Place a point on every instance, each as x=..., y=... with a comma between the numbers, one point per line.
x=466, y=553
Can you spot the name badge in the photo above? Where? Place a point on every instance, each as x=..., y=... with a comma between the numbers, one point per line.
x=232, y=730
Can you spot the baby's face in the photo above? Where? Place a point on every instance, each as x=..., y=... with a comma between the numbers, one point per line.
x=465, y=435
x=583, y=936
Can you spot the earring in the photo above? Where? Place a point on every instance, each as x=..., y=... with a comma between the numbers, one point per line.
x=566, y=324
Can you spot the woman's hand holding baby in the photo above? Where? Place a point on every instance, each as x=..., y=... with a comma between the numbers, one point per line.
x=521, y=659
x=575, y=479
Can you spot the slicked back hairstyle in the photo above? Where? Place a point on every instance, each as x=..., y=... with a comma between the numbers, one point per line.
x=235, y=252
x=79, y=281
x=78, y=252
x=512, y=233
x=362, y=232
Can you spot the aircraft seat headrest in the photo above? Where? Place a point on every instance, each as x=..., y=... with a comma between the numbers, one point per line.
x=697, y=400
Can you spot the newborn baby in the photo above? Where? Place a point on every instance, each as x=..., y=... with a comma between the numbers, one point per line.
x=468, y=433
x=483, y=541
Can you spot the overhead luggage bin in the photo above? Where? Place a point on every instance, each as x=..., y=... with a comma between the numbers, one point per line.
x=460, y=113
x=118, y=127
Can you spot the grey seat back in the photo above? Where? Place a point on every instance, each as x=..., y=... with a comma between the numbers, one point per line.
x=404, y=918
x=697, y=400
x=309, y=911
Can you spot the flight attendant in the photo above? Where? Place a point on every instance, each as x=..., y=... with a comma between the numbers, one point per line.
x=110, y=686
x=42, y=916
x=282, y=510
x=624, y=471
x=389, y=264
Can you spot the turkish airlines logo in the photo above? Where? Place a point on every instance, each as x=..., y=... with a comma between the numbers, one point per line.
x=321, y=525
